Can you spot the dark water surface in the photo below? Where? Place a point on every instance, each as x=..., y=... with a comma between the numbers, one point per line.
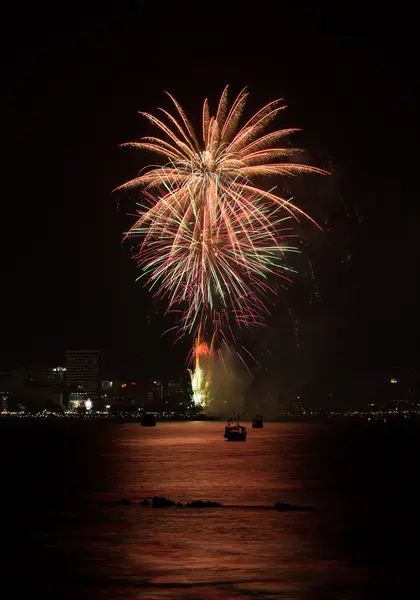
x=63, y=536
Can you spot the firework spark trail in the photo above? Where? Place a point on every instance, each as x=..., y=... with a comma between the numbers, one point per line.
x=211, y=236
x=200, y=375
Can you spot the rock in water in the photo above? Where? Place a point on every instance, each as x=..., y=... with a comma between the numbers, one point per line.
x=158, y=502
x=287, y=506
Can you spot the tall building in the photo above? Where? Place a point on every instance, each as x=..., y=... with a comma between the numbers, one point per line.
x=83, y=372
x=155, y=395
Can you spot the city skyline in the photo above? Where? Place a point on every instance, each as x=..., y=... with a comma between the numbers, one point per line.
x=70, y=282
x=42, y=387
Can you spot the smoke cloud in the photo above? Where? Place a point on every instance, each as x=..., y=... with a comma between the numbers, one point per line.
x=229, y=384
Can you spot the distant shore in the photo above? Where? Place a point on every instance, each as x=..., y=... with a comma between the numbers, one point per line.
x=134, y=418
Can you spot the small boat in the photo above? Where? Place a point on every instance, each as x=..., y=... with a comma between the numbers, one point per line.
x=234, y=432
x=257, y=422
x=148, y=421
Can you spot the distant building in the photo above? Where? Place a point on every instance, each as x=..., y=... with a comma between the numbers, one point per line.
x=4, y=405
x=176, y=389
x=5, y=382
x=107, y=385
x=156, y=395
x=77, y=400
x=83, y=372
x=47, y=376
x=33, y=387
x=47, y=385
x=176, y=394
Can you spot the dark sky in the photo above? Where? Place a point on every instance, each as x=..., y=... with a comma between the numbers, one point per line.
x=72, y=86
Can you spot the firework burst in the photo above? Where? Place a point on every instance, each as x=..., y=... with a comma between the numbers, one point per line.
x=211, y=237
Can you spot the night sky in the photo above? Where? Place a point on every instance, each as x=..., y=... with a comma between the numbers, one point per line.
x=72, y=86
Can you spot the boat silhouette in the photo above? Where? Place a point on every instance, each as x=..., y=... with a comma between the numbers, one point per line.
x=257, y=422
x=234, y=432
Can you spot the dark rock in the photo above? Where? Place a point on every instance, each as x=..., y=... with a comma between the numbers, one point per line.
x=203, y=504
x=284, y=506
x=287, y=506
x=124, y=502
x=179, y=504
x=158, y=502
x=145, y=502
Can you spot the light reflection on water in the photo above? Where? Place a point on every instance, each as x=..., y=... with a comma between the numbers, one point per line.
x=219, y=553
x=108, y=551
x=192, y=460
